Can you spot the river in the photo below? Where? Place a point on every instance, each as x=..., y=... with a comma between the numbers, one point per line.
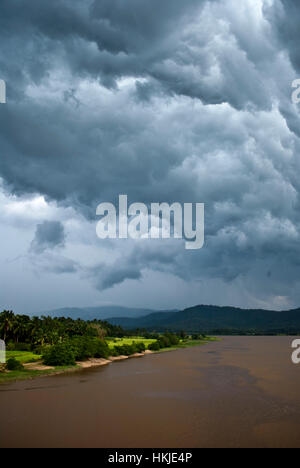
x=240, y=392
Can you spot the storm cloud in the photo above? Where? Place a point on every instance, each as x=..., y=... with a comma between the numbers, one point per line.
x=48, y=235
x=163, y=101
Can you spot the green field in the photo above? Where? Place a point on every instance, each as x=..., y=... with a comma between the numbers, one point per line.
x=27, y=374
x=187, y=343
x=112, y=342
x=23, y=356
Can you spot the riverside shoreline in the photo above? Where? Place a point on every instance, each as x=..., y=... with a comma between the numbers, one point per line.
x=38, y=369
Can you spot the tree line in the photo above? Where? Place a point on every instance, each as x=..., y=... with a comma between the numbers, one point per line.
x=64, y=341
x=19, y=330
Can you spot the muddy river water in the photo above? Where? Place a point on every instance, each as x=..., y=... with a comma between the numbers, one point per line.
x=240, y=392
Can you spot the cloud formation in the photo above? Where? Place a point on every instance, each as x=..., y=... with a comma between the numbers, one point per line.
x=163, y=101
x=48, y=235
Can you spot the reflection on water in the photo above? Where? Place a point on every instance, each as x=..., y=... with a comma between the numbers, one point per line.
x=243, y=391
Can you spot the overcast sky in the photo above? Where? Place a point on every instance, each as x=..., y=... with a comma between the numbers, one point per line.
x=186, y=101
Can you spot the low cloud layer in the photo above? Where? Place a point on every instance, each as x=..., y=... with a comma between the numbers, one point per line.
x=163, y=101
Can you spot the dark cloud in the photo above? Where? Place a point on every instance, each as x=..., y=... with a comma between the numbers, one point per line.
x=48, y=235
x=285, y=16
x=171, y=100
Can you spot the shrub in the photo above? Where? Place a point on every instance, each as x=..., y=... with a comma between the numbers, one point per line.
x=164, y=342
x=18, y=347
x=14, y=365
x=88, y=347
x=39, y=349
x=113, y=352
x=80, y=347
x=198, y=337
x=126, y=350
x=173, y=339
x=140, y=347
x=132, y=349
x=101, y=349
x=122, y=350
x=59, y=355
x=155, y=346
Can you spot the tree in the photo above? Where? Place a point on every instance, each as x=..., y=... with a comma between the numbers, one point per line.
x=59, y=355
x=14, y=365
x=7, y=322
x=155, y=346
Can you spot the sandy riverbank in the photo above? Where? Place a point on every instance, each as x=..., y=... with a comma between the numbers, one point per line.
x=88, y=364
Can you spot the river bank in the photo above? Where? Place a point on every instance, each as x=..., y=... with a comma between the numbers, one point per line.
x=37, y=369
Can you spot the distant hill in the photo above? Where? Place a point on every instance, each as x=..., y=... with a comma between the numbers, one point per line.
x=98, y=313
x=216, y=319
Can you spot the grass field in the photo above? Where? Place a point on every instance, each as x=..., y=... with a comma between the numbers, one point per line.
x=27, y=374
x=112, y=342
x=23, y=356
x=189, y=344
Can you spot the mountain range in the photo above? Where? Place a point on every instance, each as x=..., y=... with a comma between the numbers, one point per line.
x=99, y=313
x=215, y=319
x=201, y=318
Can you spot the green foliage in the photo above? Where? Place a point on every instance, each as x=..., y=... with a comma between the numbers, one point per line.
x=19, y=347
x=129, y=341
x=172, y=338
x=14, y=365
x=125, y=350
x=88, y=347
x=198, y=337
x=59, y=355
x=155, y=346
x=129, y=349
x=164, y=342
x=141, y=348
x=167, y=340
x=23, y=356
x=23, y=333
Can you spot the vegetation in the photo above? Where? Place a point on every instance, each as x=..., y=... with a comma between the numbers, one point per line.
x=14, y=365
x=25, y=374
x=88, y=347
x=129, y=349
x=217, y=320
x=23, y=356
x=23, y=333
x=59, y=355
x=155, y=346
x=170, y=341
x=60, y=343
x=117, y=342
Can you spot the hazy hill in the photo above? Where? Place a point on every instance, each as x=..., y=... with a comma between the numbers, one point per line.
x=99, y=313
x=213, y=318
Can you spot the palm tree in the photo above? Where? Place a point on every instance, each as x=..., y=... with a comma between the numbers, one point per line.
x=7, y=319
